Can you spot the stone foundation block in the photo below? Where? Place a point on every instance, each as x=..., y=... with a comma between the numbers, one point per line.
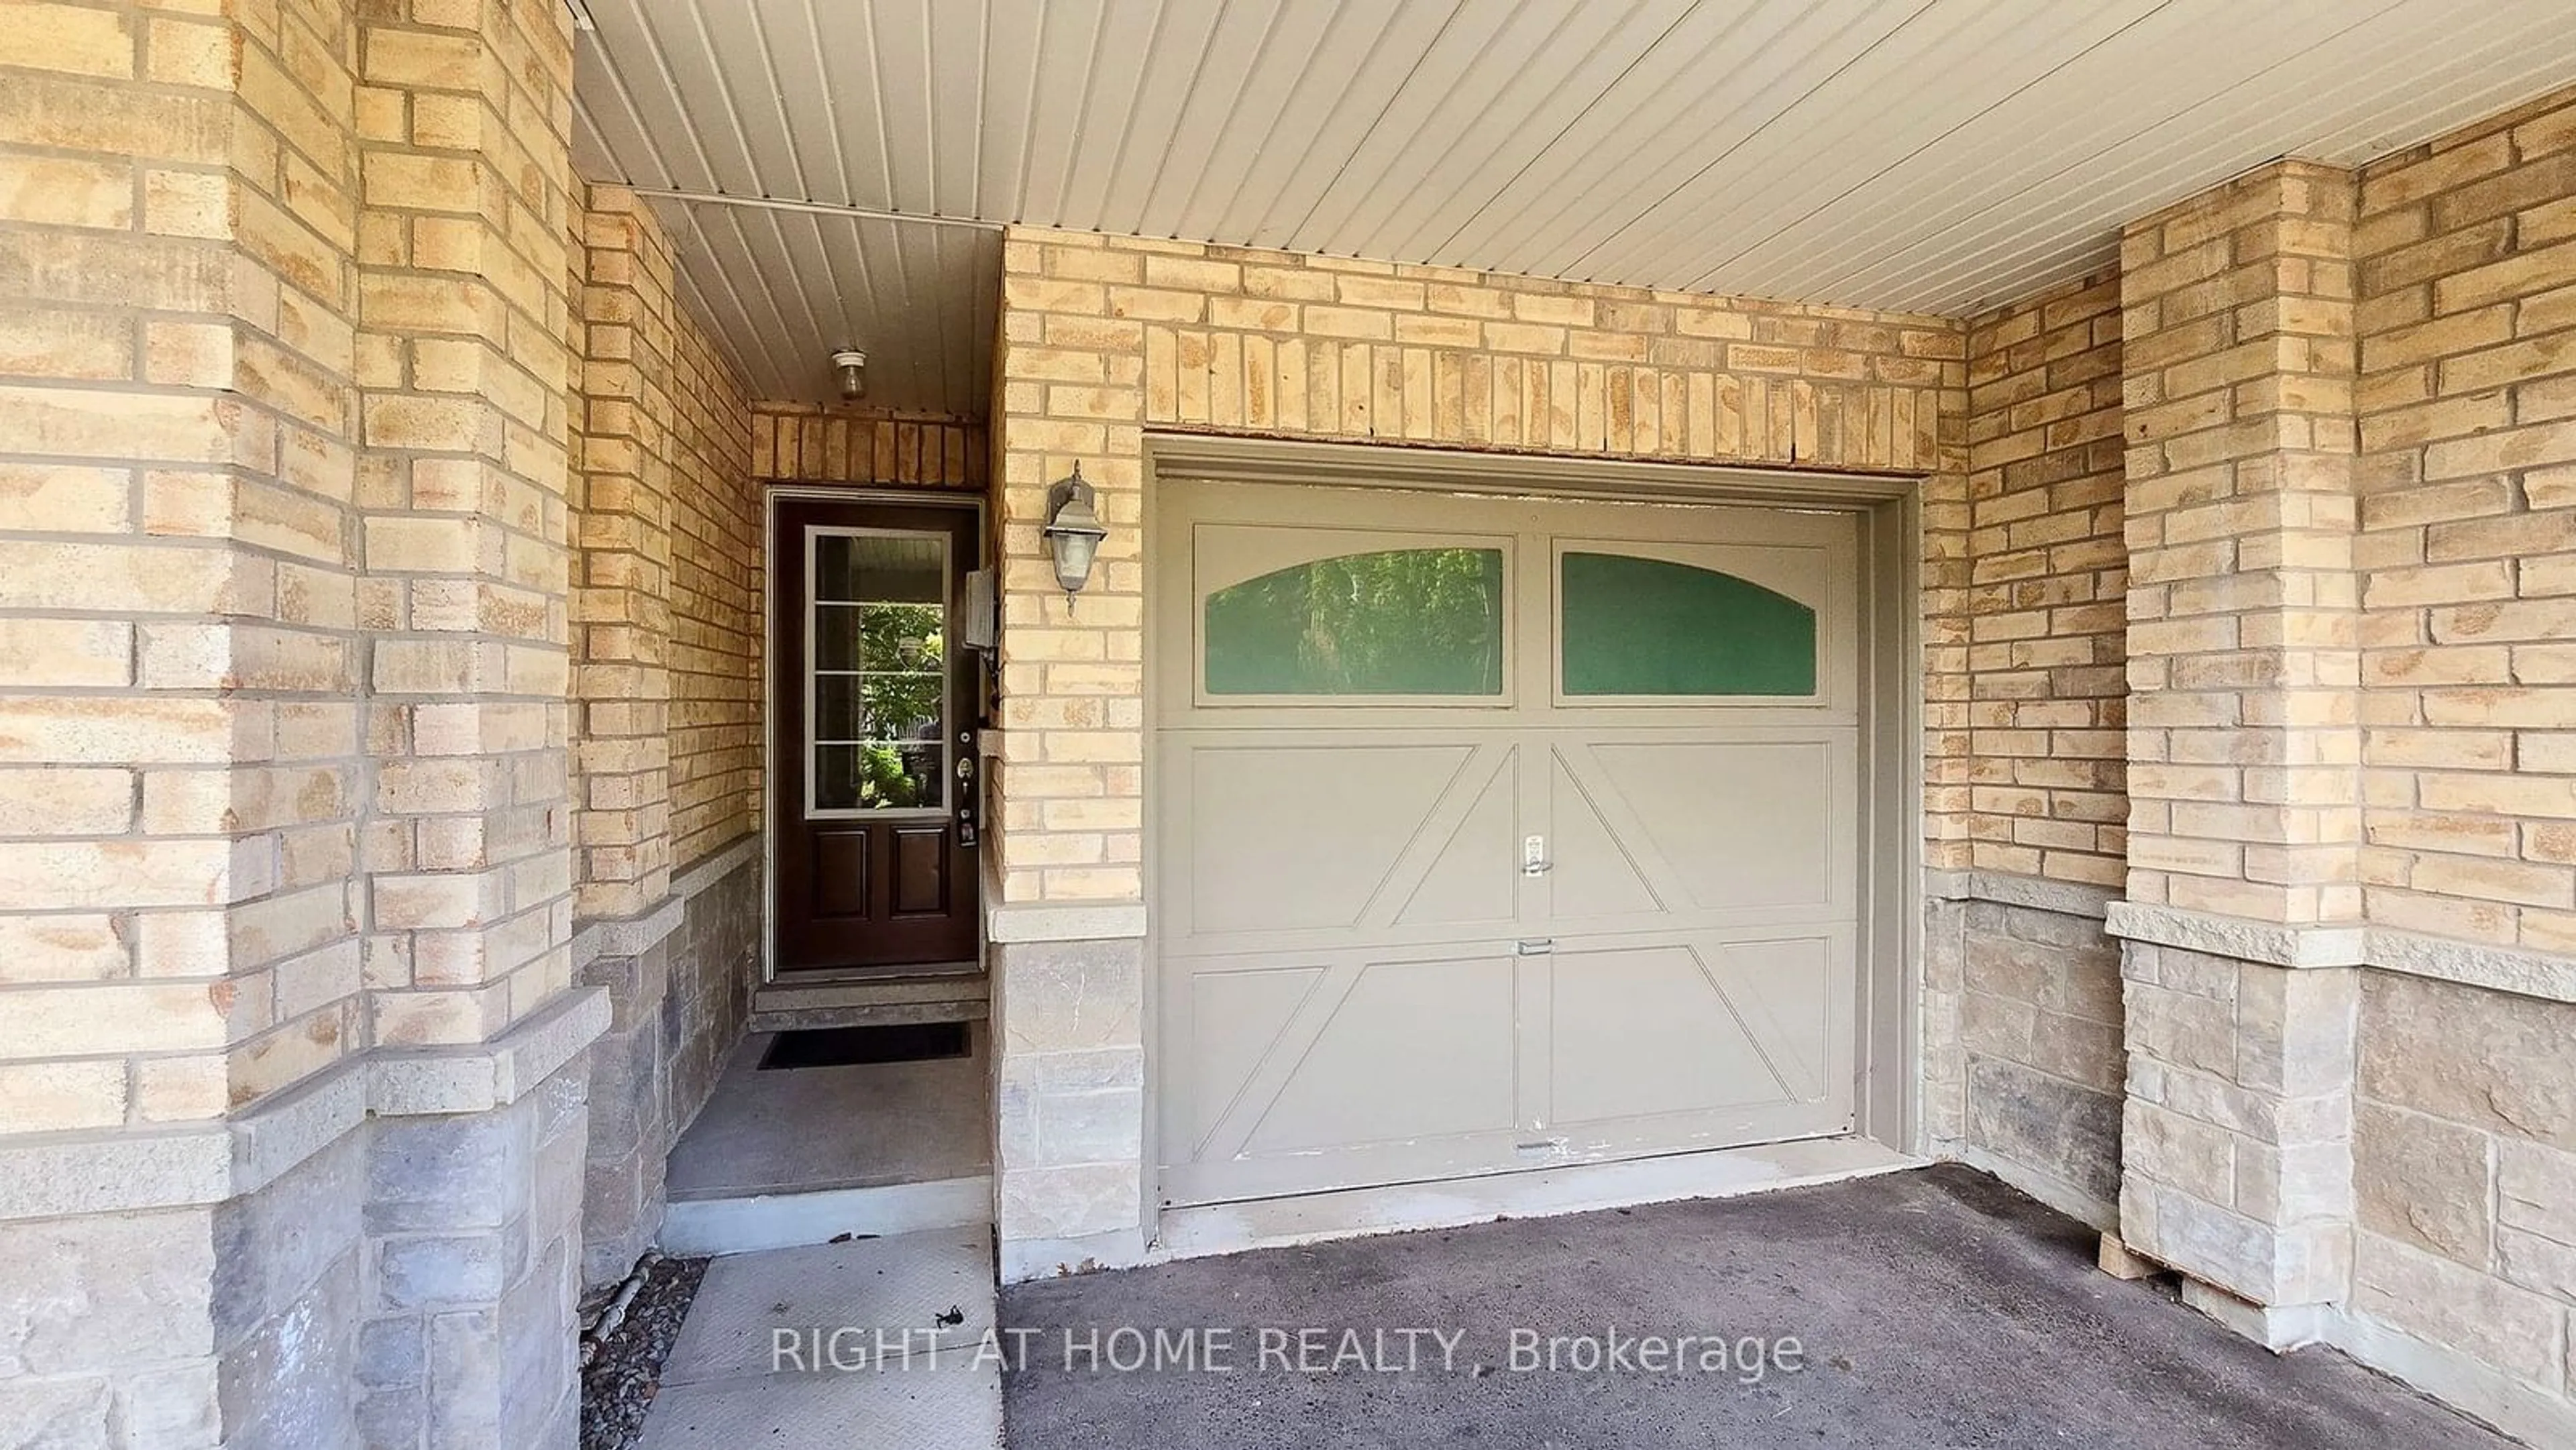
x=678, y=1007
x=2022, y=1048
x=1068, y=1032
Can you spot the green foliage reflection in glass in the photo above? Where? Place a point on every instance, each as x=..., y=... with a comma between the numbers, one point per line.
x=904, y=648
x=1394, y=622
x=1651, y=627
x=877, y=697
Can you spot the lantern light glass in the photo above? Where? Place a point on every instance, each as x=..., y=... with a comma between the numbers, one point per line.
x=1073, y=530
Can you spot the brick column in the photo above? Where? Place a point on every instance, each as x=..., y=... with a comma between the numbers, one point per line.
x=292, y=1092
x=179, y=743
x=621, y=724
x=464, y=327
x=621, y=609
x=465, y=342
x=1068, y=1006
x=2244, y=829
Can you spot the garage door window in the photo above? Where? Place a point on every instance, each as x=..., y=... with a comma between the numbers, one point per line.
x=1387, y=622
x=1637, y=626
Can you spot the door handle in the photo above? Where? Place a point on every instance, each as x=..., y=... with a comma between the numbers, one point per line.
x=967, y=833
x=1534, y=860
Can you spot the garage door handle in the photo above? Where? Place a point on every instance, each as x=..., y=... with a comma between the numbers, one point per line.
x=1535, y=947
x=1534, y=860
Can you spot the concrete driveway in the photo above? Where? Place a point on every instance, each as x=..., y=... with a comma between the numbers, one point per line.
x=1929, y=1308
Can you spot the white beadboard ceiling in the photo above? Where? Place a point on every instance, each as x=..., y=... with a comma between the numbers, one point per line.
x=783, y=290
x=1913, y=155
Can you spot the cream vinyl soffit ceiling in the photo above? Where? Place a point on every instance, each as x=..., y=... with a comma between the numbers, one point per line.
x=1911, y=155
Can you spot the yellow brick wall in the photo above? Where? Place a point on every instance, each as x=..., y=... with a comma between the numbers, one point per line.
x=799, y=443
x=2242, y=631
x=2467, y=402
x=179, y=733
x=864, y=447
x=1104, y=337
x=621, y=579
x=466, y=343
x=2047, y=573
x=294, y=319
x=667, y=606
x=716, y=605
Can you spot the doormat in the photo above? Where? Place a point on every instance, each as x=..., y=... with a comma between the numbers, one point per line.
x=851, y=1046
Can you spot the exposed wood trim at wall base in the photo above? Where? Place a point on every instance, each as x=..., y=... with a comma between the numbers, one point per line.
x=2545, y=975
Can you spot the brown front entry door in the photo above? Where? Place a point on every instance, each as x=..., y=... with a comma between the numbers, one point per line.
x=872, y=709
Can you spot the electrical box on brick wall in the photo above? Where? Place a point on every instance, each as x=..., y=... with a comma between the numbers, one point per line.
x=978, y=622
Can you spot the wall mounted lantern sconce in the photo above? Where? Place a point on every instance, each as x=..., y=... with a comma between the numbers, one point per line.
x=1073, y=531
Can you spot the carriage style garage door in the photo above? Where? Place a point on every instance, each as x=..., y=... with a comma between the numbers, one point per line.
x=1497, y=833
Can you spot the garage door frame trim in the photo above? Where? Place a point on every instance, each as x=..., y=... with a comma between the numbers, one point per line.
x=1888, y=1041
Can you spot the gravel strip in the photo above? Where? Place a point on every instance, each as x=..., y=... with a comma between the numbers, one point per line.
x=618, y=1385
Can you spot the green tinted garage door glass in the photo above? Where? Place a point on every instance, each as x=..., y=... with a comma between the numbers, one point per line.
x=1651, y=627
x=1395, y=622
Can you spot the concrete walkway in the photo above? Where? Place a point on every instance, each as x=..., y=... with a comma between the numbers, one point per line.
x=865, y=1343
x=1933, y=1308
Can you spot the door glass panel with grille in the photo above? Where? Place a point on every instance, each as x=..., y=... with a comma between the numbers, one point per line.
x=878, y=712
x=872, y=716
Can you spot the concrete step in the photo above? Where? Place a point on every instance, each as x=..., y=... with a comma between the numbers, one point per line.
x=754, y=1222
x=871, y=1002
x=785, y=1157
x=863, y=1342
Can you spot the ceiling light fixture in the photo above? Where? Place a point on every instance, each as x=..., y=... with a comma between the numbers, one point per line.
x=851, y=365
